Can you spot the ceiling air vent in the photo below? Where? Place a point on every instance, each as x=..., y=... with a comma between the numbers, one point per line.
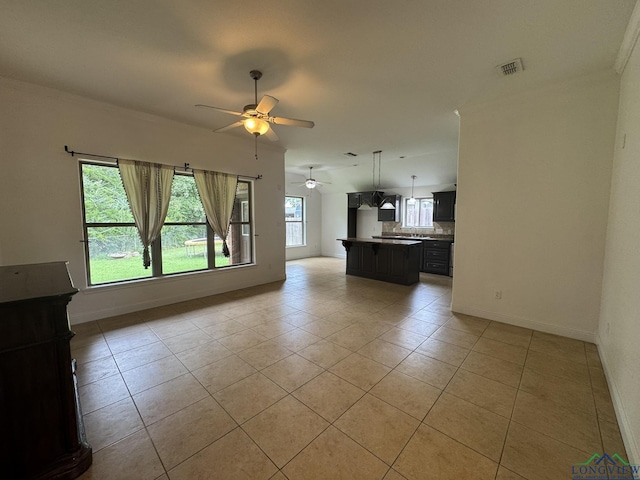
x=511, y=67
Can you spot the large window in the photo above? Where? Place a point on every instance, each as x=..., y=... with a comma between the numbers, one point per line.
x=186, y=243
x=294, y=221
x=418, y=214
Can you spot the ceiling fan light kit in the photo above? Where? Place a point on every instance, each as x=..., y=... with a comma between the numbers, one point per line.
x=256, y=115
x=255, y=125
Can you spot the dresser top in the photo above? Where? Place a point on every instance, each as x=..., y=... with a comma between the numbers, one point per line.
x=32, y=281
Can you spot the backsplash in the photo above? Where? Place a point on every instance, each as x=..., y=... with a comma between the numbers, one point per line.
x=442, y=229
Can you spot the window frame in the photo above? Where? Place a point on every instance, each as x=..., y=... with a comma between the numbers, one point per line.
x=156, y=246
x=302, y=221
x=405, y=211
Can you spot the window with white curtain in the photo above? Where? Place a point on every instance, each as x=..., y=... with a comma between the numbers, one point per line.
x=112, y=245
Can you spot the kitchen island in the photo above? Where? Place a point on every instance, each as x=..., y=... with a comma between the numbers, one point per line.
x=388, y=260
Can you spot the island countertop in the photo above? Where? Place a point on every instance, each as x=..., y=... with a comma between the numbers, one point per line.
x=381, y=241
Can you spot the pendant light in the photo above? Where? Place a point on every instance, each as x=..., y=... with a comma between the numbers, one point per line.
x=412, y=200
x=377, y=154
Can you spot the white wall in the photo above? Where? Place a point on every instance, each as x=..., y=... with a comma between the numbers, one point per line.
x=334, y=224
x=619, y=332
x=313, y=216
x=367, y=224
x=40, y=193
x=532, y=204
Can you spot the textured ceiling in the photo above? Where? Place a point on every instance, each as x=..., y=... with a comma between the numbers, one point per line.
x=373, y=75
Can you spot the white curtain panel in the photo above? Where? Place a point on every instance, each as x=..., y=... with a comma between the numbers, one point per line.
x=148, y=188
x=218, y=193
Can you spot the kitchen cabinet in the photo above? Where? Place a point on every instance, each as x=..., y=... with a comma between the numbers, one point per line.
x=394, y=261
x=390, y=214
x=42, y=431
x=444, y=206
x=435, y=256
x=357, y=199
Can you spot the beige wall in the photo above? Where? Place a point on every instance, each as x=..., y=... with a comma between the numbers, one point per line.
x=40, y=202
x=619, y=332
x=532, y=204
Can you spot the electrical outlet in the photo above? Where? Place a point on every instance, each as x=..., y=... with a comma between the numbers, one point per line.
x=498, y=294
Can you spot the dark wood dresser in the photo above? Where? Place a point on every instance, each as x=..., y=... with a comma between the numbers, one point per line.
x=41, y=429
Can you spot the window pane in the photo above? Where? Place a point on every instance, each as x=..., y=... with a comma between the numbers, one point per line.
x=241, y=206
x=184, y=248
x=115, y=253
x=239, y=247
x=240, y=235
x=295, y=235
x=104, y=198
x=426, y=212
x=411, y=214
x=293, y=209
x=185, y=205
x=294, y=216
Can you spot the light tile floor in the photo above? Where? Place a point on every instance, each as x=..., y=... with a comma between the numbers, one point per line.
x=327, y=376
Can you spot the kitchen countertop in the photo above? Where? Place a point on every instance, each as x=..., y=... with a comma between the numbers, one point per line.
x=382, y=241
x=408, y=237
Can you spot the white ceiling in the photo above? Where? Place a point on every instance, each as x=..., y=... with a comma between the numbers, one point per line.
x=373, y=74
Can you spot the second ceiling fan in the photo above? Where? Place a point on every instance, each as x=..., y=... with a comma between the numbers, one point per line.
x=256, y=115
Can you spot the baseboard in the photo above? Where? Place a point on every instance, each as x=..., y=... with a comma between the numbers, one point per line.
x=630, y=443
x=84, y=317
x=583, y=335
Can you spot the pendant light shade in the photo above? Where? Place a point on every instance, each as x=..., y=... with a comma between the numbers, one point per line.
x=412, y=200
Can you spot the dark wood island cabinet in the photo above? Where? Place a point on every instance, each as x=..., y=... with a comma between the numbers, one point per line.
x=41, y=423
x=395, y=261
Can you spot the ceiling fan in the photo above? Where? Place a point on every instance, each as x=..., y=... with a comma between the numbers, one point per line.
x=256, y=115
x=311, y=182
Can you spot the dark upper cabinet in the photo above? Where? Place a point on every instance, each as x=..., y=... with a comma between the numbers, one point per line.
x=444, y=206
x=390, y=214
x=353, y=200
x=357, y=199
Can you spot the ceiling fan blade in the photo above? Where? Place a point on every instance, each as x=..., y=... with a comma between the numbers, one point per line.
x=232, y=112
x=266, y=104
x=271, y=135
x=292, y=122
x=229, y=127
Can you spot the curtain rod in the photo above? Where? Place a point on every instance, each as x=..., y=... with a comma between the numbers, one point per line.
x=186, y=165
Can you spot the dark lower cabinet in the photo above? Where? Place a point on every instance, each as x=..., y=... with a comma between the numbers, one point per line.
x=389, y=262
x=435, y=256
x=41, y=423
